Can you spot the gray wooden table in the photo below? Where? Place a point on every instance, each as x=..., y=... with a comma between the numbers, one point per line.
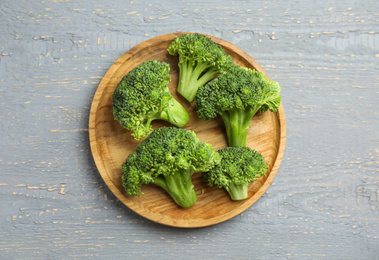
x=324, y=202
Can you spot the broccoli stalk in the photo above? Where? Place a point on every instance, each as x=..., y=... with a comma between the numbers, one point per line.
x=237, y=191
x=143, y=96
x=237, y=96
x=173, y=113
x=179, y=186
x=168, y=158
x=236, y=123
x=200, y=60
x=239, y=167
x=191, y=77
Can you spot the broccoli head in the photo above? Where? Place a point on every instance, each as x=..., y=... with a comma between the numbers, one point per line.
x=237, y=96
x=238, y=167
x=168, y=157
x=200, y=60
x=143, y=96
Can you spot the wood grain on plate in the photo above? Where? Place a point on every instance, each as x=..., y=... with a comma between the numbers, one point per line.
x=111, y=144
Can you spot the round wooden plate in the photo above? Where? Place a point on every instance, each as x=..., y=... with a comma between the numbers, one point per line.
x=111, y=144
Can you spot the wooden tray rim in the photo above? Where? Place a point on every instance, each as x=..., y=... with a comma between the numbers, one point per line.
x=130, y=204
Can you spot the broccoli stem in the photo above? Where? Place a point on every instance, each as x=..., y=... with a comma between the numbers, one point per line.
x=175, y=113
x=236, y=123
x=179, y=186
x=237, y=191
x=192, y=76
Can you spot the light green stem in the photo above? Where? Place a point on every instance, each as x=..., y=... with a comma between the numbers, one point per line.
x=237, y=191
x=191, y=78
x=179, y=186
x=236, y=123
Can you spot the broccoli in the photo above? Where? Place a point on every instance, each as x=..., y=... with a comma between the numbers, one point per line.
x=237, y=96
x=143, y=96
x=239, y=166
x=168, y=157
x=200, y=60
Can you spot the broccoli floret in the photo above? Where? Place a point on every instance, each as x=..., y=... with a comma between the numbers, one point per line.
x=143, y=96
x=239, y=166
x=200, y=60
x=237, y=96
x=168, y=157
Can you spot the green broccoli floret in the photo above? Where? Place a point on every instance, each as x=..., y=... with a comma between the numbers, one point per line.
x=143, y=96
x=200, y=60
x=168, y=157
x=237, y=96
x=239, y=166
